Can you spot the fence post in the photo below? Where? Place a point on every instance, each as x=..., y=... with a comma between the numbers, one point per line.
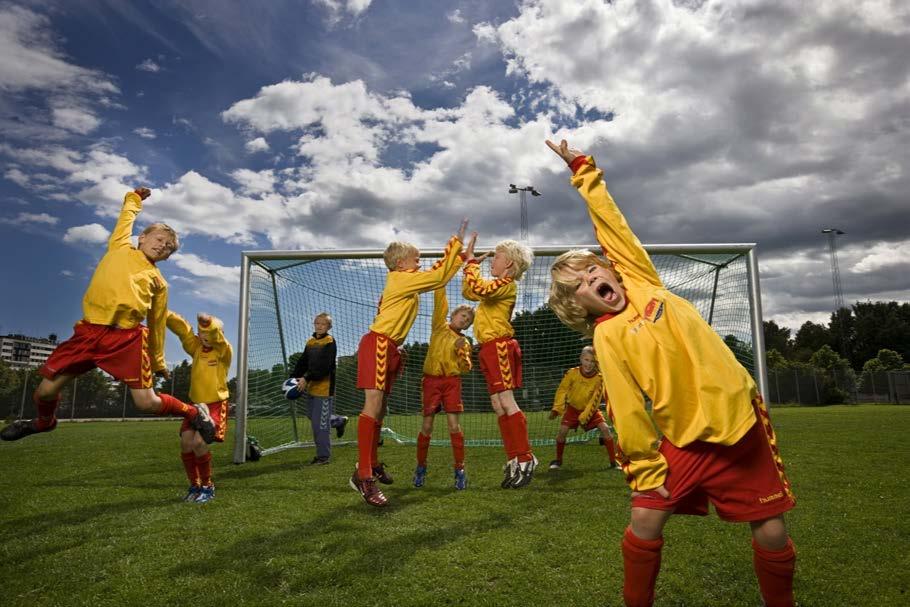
x=123, y=414
x=799, y=400
x=818, y=399
x=24, y=390
x=777, y=385
x=73, y=407
x=872, y=378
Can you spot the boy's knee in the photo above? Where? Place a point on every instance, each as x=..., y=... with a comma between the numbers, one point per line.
x=770, y=533
x=648, y=524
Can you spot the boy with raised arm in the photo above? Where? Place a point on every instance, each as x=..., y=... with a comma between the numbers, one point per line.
x=126, y=289
x=500, y=354
x=212, y=355
x=448, y=358
x=718, y=444
x=378, y=358
x=578, y=400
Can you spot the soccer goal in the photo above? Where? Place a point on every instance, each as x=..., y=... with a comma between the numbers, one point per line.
x=281, y=292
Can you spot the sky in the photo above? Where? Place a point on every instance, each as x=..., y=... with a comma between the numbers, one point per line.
x=320, y=124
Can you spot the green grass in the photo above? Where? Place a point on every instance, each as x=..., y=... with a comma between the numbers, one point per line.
x=90, y=515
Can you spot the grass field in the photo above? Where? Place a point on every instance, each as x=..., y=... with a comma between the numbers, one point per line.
x=90, y=515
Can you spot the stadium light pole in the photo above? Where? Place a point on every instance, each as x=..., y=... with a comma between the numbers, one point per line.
x=523, y=200
x=832, y=234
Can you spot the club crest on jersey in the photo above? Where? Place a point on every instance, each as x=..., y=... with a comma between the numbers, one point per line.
x=654, y=310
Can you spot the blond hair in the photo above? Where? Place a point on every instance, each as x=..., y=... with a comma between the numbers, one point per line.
x=589, y=350
x=562, y=288
x=462, y=308
x=520, y=255
x=326, y=316
x=164, y=228
x=397, y=251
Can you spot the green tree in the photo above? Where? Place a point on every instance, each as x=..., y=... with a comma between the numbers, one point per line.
x=810, y=337
x=886, y=360
x=881, y=325
x=837, y=379
x=777, y=338
x=776, y=360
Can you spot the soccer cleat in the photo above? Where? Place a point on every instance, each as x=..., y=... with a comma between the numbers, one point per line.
x=206, y=494
x=368, y=490
x=525, y=473
x=382, y=475
x=24, y=427
x=339, y=430
x=509, y=472
x=204, y=424
x=420, y=475
x=192, y=493
x=461, y=481
x=319, y=461
x=555, y=464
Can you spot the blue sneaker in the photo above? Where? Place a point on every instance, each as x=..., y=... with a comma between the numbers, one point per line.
x=461, y=481
x=420, y=475
x=206, y=494
x=192, y=493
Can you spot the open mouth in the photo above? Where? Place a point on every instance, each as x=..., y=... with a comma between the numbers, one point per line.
x=605, y=291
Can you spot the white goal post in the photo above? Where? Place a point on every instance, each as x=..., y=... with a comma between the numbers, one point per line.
x=282, y=291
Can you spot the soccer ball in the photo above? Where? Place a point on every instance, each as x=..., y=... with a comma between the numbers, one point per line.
x=290, y=389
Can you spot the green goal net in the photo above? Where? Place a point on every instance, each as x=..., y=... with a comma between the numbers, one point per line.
x=282, y=291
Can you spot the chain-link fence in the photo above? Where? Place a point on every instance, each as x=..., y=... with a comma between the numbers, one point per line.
x=816, y=387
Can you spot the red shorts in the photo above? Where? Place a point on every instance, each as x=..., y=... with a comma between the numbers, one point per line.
x=500, y=362
x=378, y=362
x=570, y=419
x=442, y=393
x=121, y=352
x=219, y=412
x=744, y=481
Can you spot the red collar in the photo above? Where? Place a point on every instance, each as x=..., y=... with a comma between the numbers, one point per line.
x=605, y=317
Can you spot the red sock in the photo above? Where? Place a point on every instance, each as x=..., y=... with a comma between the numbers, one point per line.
x=423, y=446
x=189, y=464
x=611, y=451
x=173, y=406
x=504, y=432
x=47, y=410
x=458, y=449
x=774, y=569
x=519, y=428
x=366, y=427
x=204, y=469
x=641, y=562
x=560, y=447
x=377, y=434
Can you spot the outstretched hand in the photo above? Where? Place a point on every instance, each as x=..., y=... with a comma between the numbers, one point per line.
x=461, y=229
x=564, y=151
x=143, y=192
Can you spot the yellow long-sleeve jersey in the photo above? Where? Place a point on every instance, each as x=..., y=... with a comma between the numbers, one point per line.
x=660, y=345
x=127, y=288
x=493, y=317
x=208, y=379
x=580, y=392
x=401, y=295
x=443, y=356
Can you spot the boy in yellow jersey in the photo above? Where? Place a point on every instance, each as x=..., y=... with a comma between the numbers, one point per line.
x=578, y=400
x=378, y=358
x=126, y=289
x=500, y=354
x=448, y=358
x=211, y=354
x=717, y=445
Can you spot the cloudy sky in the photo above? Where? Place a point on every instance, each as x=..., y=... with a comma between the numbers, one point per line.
x=315, y=124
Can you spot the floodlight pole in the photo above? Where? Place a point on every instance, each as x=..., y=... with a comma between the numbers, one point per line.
x=523, y=201
x=833, y=233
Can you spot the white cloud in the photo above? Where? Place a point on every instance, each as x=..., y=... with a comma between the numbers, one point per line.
x=259, y=144
x=337, y=8
x=17, y=177
x=93, y=233
x=67, y=273
x=255, y=182
x=75, y=119
x=145, y=133
x=882, y=255
x=148, y=65
x=210, y=281
x=455, y=16
x=25, y=218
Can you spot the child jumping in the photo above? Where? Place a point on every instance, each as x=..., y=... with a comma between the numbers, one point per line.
x=500, y=354
x=578, y=400
x=378, y=358
x=212, y=355
x=126, y=289
x=718, y=445
x=448, y=358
